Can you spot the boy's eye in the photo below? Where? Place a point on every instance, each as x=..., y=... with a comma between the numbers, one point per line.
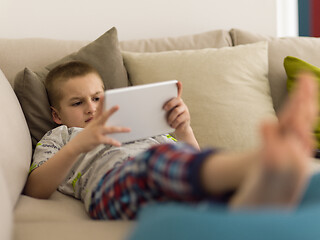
x=96, y=99
x=76, y=104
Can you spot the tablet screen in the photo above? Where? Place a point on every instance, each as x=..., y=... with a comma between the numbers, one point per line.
x=140, y=109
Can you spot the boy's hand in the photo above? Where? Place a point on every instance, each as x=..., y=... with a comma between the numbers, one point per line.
x=96, y=132
x=178, y=115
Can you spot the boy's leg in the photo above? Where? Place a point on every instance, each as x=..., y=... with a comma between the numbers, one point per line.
x=276, y=174
x=163, y=172
x=280, y=177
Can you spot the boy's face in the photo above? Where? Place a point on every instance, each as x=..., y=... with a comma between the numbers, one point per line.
x=80, y=99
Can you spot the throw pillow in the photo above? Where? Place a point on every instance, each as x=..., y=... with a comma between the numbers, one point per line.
x=226, y=89
x=293, y=66
x=301, y=47
x=103, y=54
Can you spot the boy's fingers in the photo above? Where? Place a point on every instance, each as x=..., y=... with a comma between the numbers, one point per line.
x=175, y=113
x=111, y=141
x=182, y=119
x=105, y=115
x=115, y=129
x=179, y=85
x=174, y=102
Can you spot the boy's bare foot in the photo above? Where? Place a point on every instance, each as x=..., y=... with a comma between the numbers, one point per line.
x=280, y=178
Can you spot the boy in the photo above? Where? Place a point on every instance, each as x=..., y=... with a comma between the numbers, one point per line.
x=114, y=181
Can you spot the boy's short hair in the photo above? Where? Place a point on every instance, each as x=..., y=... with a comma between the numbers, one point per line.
x=62, y=73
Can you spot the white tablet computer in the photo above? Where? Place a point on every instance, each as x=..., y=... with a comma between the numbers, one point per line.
x=140, y=109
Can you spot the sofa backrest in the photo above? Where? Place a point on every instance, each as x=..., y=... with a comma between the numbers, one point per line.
x=16, y=54
x=35, y=53
x=211, y=39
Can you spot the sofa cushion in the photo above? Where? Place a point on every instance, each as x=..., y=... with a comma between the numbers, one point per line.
x=15, y=141
x=5, y=209
x=210, y=39
x=80, y=230
x=58, y=207
x=59, y=216
x=293, y=66
x=103, y=54
x=226, y=89
x=301, y=47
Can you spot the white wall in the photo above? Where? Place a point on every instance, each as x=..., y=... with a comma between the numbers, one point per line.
x=287, y=18
x=87, y=19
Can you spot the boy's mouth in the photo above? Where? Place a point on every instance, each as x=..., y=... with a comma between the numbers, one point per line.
x=89, y=119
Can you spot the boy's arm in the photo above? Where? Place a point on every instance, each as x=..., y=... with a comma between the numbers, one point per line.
x=187, y=136
x=179, y=119
x=44, y=180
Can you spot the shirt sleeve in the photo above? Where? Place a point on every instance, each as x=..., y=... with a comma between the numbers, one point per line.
x=49, y=145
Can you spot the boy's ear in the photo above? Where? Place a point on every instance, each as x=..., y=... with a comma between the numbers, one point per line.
x=55, y=116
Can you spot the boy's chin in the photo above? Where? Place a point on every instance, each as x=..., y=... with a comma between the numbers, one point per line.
x=82, y=125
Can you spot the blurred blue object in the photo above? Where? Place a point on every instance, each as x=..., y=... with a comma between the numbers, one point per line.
x=175, y=221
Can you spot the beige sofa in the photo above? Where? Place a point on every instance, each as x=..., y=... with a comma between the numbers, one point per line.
x=226, y=86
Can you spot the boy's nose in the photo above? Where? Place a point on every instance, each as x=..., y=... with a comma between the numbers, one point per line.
x=91, y=107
